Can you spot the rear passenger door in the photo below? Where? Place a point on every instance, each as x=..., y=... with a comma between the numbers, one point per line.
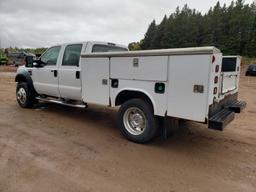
x=69, y=73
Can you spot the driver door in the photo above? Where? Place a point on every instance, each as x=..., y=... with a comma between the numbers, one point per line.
x=45, y=79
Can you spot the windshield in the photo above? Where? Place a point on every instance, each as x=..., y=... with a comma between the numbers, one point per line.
x=107, y=48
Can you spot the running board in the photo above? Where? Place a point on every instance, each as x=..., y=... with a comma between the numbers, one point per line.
x=62, y=103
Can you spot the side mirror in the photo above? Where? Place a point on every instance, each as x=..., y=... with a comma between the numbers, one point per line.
x=38, y=64
x=29, y=61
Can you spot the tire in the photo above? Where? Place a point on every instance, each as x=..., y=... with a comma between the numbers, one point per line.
x=136, y=121
x=24, y=96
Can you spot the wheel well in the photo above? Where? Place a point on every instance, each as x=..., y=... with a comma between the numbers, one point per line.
x=124, y=96
x=20, y=78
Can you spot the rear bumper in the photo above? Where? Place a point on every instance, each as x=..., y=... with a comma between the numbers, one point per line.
x=221, y=114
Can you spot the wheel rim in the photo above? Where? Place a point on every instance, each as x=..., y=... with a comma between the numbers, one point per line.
x=22, y=95
x=134, y=121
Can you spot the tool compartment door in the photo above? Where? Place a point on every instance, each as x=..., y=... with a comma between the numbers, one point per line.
x=95, y=80
x=188, y=86
x=150, y=68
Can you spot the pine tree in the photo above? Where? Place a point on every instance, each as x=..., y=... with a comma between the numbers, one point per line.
x=230, y=28
x=147, y=41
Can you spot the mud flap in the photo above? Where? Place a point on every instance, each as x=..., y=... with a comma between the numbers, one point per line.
x=169, y=127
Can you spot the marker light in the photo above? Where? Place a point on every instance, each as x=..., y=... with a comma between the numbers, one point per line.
x=213, y=59
x=216, y=79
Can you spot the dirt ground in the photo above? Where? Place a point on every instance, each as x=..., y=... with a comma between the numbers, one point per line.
x=55, y=148
x=8, y=68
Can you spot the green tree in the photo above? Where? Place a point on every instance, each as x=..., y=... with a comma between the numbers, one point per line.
x=230, y=28
x=148, y=39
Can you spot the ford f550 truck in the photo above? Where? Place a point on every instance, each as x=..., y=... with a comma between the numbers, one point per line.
x=196, y=84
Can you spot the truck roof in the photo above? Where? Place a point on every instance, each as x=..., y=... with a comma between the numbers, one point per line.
x=158, y=52
x=94, y=42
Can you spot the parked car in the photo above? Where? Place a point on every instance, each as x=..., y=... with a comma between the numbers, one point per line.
x=18, y=58
x=251, y=71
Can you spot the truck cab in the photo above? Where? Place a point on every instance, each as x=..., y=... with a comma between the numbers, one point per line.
x=57, y=73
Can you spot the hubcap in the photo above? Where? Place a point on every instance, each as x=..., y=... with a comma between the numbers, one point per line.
x=134, y=121
x=21, y=95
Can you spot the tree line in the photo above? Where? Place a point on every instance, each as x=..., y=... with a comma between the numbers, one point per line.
x=36, y=51
x=230, y=28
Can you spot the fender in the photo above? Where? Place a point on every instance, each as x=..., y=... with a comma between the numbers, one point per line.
x=139, y=91
x=24, y=76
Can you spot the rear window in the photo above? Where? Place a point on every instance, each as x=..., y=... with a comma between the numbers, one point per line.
x=229, y=64
x=107, y=48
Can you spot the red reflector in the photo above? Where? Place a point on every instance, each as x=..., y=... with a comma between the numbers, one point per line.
x=213, y=59
x=217, y=69
x=216, y=79
x=215, y=91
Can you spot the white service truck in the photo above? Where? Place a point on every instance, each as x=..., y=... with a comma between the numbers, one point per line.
x=196, y=84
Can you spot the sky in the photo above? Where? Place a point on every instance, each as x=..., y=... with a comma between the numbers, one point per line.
x=43, y=23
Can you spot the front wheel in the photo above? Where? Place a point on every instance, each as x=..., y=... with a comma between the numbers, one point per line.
x=137, y=121
x=23, y=95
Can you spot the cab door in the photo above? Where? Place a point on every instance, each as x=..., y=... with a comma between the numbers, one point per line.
x=69, y=73
x=45, y=78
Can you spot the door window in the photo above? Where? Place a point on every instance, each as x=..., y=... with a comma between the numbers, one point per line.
x=50, y=57
x=72, y=55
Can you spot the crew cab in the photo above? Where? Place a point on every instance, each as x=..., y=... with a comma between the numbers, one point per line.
x=152, y=87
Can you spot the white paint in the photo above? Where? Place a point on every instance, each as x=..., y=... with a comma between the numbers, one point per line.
x=184, y=73
x=94, y=72
x=148, y=68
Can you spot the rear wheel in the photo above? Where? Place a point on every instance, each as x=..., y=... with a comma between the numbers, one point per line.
x=24, y=96
x=137, y=121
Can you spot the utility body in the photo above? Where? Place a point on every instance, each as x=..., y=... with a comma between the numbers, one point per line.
x=196, y=84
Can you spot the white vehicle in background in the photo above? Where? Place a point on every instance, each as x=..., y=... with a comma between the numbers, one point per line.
x=150, y=86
